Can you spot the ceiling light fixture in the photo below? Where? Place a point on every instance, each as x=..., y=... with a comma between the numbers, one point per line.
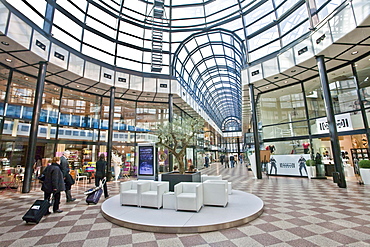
x=354, y=52
x=4, y=43
x=78, y=86
x=293, y=71
x=8, y=60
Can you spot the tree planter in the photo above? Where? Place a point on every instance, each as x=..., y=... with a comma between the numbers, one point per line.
x=175, y=178
x=365, y=175
x=311, y=171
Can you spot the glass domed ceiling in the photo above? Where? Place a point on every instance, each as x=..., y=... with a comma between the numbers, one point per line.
x=203, y=43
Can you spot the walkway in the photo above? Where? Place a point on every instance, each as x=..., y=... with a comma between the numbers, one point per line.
x=297, y=212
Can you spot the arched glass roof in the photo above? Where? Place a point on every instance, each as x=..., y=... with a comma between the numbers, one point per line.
x=203, y=43
x=209, y=69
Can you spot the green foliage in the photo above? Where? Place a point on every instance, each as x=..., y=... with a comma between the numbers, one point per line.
x=179, y=135
x=310, y=162
x=364, y=164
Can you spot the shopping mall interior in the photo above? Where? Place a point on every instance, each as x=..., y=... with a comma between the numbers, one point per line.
x=102, y=76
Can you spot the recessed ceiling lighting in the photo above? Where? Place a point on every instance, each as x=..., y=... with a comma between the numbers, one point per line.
x=276, y=77
x=293, y=71
x=285, y=81
x=267, y=87
x=4, y=43
x=8, y=60
x=78, y=86
x=26, y=78
x=354, y=52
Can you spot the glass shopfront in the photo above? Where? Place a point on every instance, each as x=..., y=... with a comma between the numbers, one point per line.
x=294, y=126
x=75, y=121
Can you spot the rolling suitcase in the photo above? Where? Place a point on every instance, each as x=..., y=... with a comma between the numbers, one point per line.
x=37, y=211
x=94, y=196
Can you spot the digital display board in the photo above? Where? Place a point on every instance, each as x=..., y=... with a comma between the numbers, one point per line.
x=146, y=160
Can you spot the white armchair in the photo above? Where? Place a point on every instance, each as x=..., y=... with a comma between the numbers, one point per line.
x=215, y=193
x=152, y=194
x=129, y=192
x=189, y=196
x=205, y=177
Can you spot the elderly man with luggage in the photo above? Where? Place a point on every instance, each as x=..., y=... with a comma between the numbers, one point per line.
x=53, y=184
x=64, y=166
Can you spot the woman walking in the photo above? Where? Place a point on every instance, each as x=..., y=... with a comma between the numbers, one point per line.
x=101, y=165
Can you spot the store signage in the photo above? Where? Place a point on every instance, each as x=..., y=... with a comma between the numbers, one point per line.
x=343, y=121
x=289, y=165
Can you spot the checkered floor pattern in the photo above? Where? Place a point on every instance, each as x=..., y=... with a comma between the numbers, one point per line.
x=298, y=212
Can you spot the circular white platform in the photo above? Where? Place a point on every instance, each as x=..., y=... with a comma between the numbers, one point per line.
x=242, y=208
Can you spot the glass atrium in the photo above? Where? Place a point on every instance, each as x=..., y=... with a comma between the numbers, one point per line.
x=200, y=55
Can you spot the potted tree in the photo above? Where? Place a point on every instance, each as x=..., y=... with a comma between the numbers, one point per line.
x=176, y=137
x=311, y=168
x=364, y=166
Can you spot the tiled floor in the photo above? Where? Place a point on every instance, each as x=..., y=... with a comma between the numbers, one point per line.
x=298, y=212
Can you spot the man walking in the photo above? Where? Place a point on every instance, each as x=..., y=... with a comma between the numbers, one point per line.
x=68, y=180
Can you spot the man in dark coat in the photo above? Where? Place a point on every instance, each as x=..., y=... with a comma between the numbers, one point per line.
x=232, y=161
x=206, y=161
x=53, y=184
x=101, y=165
x=222, y=159
x=64, y=166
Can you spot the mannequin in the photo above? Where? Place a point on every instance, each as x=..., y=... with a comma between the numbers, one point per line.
x=117, y=161
x=305, y=147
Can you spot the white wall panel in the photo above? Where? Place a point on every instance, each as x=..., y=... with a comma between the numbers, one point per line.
x=270, y=67
x=58, y=56
x=76, y=64
x=107, y=76
x=19, y=31
x=92, y=71
x=40, y=45
x=136, y=82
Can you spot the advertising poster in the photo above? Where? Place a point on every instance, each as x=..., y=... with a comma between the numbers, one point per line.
x=290, y=165
x=146, y=161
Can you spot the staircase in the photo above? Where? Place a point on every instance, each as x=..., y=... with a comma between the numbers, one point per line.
x=157, y=36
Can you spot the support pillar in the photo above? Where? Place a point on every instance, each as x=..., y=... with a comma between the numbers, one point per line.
x=170, y=120
x=255, y=132
x=361, y=101
x=110, y=133
x=32, y=140
x=334, y=140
